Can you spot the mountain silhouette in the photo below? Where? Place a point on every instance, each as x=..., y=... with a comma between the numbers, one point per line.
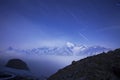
x=104, y=66
x=17, y=64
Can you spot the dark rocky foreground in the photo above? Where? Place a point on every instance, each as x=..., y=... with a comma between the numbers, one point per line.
x=105, y=66
x=10, y=76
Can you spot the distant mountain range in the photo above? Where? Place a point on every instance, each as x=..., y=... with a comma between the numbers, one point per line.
x=69, y=49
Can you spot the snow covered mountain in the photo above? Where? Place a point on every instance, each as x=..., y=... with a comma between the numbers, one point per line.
x=69, y=49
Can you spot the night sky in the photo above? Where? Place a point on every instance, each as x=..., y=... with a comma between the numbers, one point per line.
x=35, y=23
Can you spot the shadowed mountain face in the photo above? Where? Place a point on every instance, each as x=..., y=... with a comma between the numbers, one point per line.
x=17, y=64
x=105, y=66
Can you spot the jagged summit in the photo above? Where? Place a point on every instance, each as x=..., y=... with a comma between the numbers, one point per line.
x=69, y=44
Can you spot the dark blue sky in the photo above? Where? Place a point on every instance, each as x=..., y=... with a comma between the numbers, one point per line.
x=34, y=23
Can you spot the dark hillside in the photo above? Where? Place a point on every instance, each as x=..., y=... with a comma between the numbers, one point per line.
x=105, y=66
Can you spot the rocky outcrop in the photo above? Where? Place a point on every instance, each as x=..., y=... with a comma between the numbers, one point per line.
x=17, y=64
x=105, y=66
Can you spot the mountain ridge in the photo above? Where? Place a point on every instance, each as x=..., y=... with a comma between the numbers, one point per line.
x=104, y=66
x=69, y=49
